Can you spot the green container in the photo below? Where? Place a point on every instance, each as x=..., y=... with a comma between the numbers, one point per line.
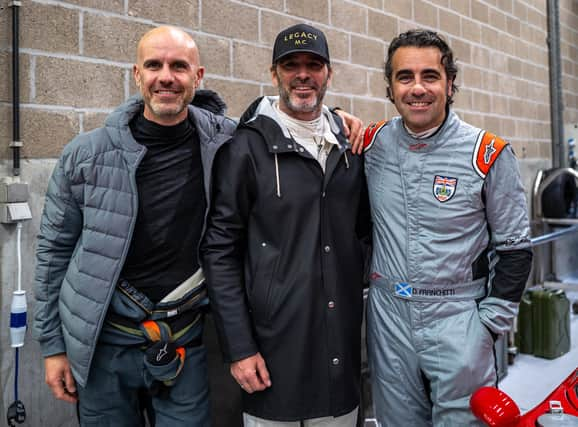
x=550, y=323
x=524, y=330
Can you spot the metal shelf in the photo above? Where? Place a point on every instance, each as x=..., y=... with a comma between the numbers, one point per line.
x=559, y=221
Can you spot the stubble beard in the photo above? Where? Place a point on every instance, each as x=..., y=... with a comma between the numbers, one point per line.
x=162, y=110
x=302, y=107
x=166, y=110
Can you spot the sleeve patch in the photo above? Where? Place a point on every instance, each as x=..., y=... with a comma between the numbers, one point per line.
x=488, y=148
x=370, y=134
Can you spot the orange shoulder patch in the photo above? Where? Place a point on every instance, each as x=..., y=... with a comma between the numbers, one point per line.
x=488, y=148
x=371, y=132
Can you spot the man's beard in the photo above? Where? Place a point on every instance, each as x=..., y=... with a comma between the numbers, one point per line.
x=302, y=107
x=160, y=110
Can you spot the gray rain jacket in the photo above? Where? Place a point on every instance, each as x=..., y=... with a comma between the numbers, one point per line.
x=87, y=225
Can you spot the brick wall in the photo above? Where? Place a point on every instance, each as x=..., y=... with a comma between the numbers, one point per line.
x=77, y=56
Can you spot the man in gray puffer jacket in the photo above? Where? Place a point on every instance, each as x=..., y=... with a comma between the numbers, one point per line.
x=124, y=213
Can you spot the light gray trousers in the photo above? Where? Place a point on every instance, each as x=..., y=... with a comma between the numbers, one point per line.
x=347, y=420
x=426, y=359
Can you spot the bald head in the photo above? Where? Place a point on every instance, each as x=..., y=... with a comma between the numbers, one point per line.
x=167, y=73
x=164, y=34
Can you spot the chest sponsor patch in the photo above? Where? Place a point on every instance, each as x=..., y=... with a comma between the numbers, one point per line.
x=417, y=147
x=375, y=275
x=444, y=187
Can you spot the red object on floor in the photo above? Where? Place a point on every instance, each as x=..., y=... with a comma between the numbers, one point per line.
x=497, y=409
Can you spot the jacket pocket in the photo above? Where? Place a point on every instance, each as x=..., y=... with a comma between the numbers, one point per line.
x=261, y=294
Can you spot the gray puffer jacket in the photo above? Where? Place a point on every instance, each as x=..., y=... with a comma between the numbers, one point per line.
x=87, y=225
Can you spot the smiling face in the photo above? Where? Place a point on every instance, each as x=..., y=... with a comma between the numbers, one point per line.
x=302, y=81
x=420, y=87
x=167, y=74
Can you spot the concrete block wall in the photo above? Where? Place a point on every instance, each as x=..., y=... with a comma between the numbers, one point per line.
x=77, y=55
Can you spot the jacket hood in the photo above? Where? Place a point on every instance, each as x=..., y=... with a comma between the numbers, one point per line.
x=262, y=117
x=265, y=107
x=210, y=101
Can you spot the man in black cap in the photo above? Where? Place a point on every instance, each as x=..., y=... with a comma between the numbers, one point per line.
x=283, y=250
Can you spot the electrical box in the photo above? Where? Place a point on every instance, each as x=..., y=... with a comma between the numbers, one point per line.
x=13, y=201
x=13, y=192
x=14, y=212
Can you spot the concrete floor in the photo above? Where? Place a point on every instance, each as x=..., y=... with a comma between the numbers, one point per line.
x=531, y=379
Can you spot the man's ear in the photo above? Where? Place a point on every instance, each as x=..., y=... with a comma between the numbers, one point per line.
x=274, y=78
x=389, y=94
x=136, y=75
x=200, y=74
x=450, y=88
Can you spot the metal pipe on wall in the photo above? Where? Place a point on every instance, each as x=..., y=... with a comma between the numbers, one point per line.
x=559, y=156
x=16, y=143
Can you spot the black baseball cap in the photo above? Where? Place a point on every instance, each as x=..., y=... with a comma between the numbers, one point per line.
x=300, y=38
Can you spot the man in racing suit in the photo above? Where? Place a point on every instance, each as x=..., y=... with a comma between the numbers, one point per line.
x=451, y=249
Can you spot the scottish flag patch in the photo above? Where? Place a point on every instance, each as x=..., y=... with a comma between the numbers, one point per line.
x=403, y=290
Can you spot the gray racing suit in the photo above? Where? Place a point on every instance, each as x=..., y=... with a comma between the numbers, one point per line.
x=450, y=261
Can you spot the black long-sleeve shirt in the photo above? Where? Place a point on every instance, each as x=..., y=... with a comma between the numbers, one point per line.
x=163, y=250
